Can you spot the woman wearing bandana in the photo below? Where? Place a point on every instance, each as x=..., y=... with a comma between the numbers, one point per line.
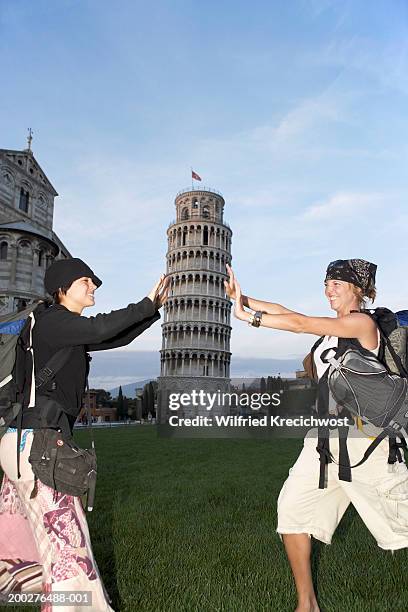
x=304, y=509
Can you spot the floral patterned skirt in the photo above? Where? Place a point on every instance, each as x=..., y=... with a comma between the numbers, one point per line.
x=44, y=540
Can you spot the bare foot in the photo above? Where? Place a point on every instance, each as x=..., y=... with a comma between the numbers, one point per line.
x=308, y=606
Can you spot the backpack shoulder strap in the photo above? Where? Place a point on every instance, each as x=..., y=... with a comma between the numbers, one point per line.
x=53, y=365
x=316, y=344
x=56, y=362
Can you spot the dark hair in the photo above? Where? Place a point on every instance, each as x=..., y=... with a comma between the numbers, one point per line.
x=55, y=298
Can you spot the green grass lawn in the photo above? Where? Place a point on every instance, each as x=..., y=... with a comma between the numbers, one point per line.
x=189, y=525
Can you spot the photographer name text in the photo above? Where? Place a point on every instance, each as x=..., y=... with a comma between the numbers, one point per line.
x=261, y=421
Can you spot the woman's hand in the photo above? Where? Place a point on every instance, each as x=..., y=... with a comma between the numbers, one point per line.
x=239, y=311
x=233, y=291
x=158, y=295
x=229, y=285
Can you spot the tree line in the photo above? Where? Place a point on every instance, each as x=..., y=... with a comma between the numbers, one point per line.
x=128, y=407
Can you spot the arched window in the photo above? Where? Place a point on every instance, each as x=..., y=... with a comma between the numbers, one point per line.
x=205, y=235
x=40, y=258
x=206, y=212
x=3, y=250
x=184, y=213
x=24, y=200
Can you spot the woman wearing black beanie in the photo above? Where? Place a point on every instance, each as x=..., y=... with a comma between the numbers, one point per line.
x=54, y=552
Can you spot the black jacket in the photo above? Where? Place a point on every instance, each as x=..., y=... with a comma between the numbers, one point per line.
x=56, y=327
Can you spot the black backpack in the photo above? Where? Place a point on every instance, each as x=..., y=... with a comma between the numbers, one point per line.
x=374, y=389
x=18, y=388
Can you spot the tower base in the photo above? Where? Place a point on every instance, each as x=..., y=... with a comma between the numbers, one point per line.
x=188, y=397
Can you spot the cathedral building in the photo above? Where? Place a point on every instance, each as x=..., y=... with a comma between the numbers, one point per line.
x=196, y=330
x=28, y=244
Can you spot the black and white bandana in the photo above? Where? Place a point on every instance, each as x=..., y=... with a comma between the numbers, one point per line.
x=356, y=271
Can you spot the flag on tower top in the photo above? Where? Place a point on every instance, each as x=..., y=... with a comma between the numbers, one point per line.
x=195, y=176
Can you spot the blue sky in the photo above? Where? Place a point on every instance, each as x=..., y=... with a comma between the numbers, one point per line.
x=295, y=111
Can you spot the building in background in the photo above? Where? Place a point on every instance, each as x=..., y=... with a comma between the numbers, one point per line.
x=196, y=330
x=99, y=413
x=28, y=244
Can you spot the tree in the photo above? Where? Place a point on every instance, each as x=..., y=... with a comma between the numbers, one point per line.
x=120, y=405
x=131, y=408
x=146, y=401
x=148, y=396
x=125, y=408
x=151, y=397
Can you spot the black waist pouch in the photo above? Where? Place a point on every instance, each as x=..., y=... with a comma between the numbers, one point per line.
x=60, y=464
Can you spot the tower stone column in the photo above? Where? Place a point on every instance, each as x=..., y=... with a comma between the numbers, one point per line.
x=196, y=329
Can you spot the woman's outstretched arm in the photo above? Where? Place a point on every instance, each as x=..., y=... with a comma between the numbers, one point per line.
x=353, y=325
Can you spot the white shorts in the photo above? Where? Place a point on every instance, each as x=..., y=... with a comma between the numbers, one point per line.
x=378, y=491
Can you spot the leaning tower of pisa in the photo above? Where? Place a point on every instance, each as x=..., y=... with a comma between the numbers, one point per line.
x=196, y=330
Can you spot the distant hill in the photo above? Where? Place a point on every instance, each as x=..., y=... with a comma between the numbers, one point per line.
x=130, y=389
x=112, y=368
